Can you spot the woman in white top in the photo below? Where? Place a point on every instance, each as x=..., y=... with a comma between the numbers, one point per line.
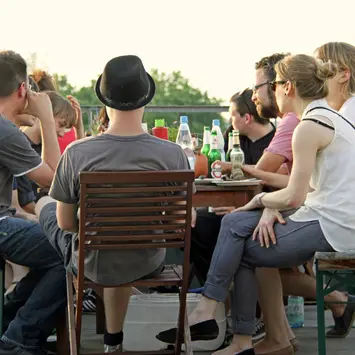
x=322, y=144
x=341, y=89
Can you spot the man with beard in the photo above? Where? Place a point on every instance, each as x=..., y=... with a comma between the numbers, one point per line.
x=279, y=151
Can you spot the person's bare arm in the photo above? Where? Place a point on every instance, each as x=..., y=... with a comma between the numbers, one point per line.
x=276, y=180
x=67, y=216
x=308, y=139
x=39, y=105
x=79, y=124
x=20, y=213
x=270, y=162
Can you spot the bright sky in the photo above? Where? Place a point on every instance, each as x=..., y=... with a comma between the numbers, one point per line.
x=215, y=43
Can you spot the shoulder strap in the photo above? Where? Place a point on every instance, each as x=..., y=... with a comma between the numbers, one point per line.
x=319, y=122
x=328, y=109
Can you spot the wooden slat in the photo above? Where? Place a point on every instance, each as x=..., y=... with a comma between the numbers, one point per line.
x=336, y=264
x=134, y=246
x=131, y=177
x=136, y=209
x=146, y=227
x=134, y=237
x=108, y=219
x=91, y=200
x=119, y=190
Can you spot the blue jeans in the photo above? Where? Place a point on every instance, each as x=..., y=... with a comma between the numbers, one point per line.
x=32, y=309
x=237, y=255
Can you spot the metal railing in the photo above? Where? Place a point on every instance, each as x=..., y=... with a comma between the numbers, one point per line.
x=93, y=111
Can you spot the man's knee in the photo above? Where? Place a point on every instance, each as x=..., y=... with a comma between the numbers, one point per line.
x=42, y=202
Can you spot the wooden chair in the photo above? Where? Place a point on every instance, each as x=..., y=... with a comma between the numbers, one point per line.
x=126, y=210
x=2, y=293
x=336, y=266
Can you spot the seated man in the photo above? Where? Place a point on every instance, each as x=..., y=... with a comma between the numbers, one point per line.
x=31, y=309
x=256, y=133
x=124, y=88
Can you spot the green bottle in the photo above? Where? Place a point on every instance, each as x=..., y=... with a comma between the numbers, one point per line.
x=214, y=154
x=206, y=141
x=230, y=146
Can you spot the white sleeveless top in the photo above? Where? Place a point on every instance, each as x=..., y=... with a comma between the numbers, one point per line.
x=332, y=202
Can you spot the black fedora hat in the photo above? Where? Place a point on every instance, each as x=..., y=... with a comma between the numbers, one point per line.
x=124, y=84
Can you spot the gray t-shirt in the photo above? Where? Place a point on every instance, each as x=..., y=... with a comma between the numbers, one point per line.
x=110, y=153
x=17, y=158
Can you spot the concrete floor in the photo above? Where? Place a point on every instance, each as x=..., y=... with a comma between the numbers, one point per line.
x=307, y=336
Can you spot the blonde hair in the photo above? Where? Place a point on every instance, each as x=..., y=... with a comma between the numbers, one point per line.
x=343, y=55
x=62, y=108
x=307, y=74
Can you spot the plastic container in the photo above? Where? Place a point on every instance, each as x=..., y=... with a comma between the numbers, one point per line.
x=184, y=139
x=216, y=126
x=295, y=311
x=160, y=131
x=150, y=314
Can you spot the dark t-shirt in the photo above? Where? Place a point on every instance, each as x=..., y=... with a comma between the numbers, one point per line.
x=254, y=150
x=17, y=158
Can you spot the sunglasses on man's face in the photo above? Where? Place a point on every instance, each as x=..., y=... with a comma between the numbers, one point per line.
x=274, y=84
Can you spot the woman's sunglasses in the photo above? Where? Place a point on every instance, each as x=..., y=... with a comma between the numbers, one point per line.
x=273, y=84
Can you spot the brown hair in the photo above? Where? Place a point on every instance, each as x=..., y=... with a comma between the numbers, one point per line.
x=343, y=55
x=62, y=108
x=268, y=64
x=13, y=72
x=44, y=81
x=307, y=74
x=244, y=105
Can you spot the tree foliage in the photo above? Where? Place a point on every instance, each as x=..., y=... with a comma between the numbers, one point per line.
x=171, y=89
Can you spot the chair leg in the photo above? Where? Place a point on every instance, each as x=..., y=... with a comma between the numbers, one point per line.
x=320, y=314
x=62, y=336
x=100, y=312
x=2, y=292
x=71, y=316
x=79, y=313
x=187, y=336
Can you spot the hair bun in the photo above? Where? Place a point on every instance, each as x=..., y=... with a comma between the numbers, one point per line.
x=326, y=70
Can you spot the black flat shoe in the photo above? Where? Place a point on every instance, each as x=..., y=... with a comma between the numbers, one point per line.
x=246, y=352
x=344, y=323
x=207, y=330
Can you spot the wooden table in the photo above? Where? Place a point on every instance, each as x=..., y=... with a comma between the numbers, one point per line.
x=220, y=196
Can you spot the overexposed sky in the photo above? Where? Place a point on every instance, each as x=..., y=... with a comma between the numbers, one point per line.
x=215, y=43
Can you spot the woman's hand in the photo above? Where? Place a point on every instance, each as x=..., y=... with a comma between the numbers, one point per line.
x=265, y=228
x=251, y=205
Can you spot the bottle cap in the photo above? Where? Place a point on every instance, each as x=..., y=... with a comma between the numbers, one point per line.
x=216, y=123
x=159, y=122
x=184, y=119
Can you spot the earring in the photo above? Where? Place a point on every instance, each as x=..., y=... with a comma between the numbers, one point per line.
x=285, y=94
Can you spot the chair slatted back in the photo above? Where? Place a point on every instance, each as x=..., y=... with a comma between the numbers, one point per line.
x=135, y=209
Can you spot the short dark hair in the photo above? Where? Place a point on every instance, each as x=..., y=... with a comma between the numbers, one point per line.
x=244, y=104
x=268, y=64
x=13, y=72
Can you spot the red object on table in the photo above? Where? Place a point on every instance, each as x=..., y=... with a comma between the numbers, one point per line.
x=160, y=130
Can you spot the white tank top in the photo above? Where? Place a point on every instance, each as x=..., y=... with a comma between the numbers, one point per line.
x=332, y=202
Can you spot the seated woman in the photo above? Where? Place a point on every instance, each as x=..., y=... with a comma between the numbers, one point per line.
x=323, y=222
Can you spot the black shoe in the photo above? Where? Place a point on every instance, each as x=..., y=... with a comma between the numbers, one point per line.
x=344, y=323
x=207, y=330
x=246, y=352
x=9, y=349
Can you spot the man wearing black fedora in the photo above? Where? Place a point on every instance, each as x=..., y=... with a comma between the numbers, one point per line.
x=124, y=88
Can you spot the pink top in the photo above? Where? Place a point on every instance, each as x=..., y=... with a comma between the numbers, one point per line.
x=281, y=144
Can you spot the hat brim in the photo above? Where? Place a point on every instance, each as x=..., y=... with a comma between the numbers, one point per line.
x=124, y=106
